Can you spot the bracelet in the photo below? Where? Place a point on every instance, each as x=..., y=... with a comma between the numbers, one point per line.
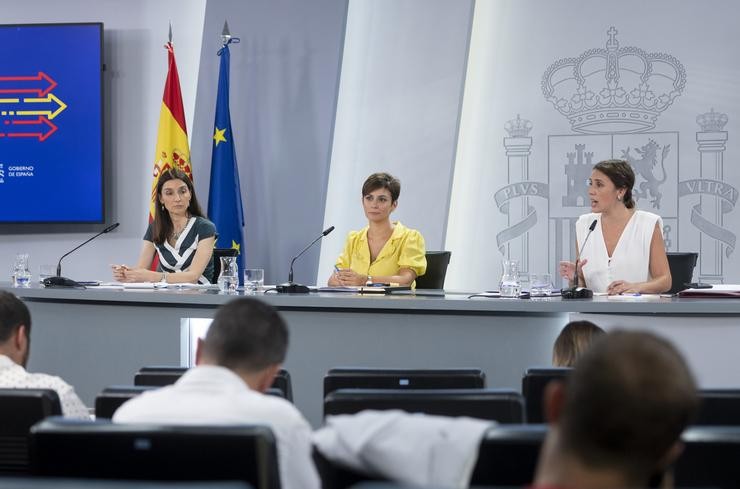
x=369, y=280
x=164, y=277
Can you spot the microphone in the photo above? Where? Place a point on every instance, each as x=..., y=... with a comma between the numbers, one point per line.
x=60, y=281
x=293, y=288
x=576, y=292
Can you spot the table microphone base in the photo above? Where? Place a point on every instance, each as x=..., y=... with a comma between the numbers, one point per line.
x=291, y=288
x=576, y=293
x=61, y=282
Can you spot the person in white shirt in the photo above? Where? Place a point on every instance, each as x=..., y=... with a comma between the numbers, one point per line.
x=15, y=348
x=235, y=364
x=619, y=249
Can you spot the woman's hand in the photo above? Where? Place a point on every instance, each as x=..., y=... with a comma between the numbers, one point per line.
x=568, y=268
x=349, y=277
x=122, y=273
x=620, y=287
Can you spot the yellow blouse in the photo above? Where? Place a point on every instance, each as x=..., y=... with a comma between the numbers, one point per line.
x=404, y=249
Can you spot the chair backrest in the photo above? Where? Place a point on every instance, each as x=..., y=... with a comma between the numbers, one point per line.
x=502, y=405
x=19, y=410
x=719, y=407
x=217, y=254
x=113, y=396
x=158, y=375
x=682, y=266
x=534, y=381
x=386, y=378
x=508, y=455
x=161, y=375
x=434, y=278
x=95, y=449
x=710, y=458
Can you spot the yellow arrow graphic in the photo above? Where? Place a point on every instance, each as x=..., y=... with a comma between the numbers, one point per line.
x=48, y=113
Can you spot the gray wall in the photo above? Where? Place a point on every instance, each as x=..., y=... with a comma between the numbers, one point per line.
x=283, y=96
x=284, y=79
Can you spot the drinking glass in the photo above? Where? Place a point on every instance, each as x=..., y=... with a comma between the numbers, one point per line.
x=46, y=271
x=254, y=280
x=540, y=285
x=510, y=286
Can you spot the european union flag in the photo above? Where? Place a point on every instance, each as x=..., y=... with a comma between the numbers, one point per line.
x=225, y=199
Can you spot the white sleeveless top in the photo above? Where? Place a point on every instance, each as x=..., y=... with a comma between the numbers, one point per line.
x=631, y=258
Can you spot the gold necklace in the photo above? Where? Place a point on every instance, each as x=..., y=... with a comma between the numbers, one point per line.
x=176, y=234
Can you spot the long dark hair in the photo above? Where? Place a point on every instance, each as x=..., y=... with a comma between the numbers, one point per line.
x=162, y=226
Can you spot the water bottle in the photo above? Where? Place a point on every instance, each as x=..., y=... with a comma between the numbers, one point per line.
x=228, y=279
x=21, y=274
x=510, y=286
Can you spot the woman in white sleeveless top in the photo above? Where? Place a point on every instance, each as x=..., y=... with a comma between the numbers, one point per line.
x=625, y=252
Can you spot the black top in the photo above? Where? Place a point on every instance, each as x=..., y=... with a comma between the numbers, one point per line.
x=179, y=257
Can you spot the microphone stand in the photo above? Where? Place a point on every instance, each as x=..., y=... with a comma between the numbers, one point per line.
x=577, y=292
x=58, y=280
x=290, y=287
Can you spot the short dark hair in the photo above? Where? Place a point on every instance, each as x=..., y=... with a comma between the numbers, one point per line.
x=573, y=341
x=162, y=226
x=382, y=180
x=247, y=335
x=622, y=176
x=13, y=313
x=626, y=403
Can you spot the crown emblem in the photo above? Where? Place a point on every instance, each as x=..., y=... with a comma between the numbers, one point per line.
x=613, y=89
x=518, y=128
x=712, y=121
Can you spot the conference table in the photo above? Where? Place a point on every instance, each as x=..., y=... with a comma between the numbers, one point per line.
x=97, y=337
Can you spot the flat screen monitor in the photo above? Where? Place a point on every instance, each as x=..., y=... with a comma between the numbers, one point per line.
x=51, y=123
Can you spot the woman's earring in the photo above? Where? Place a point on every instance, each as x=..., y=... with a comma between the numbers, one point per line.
x=619, y=197
x=162, y=206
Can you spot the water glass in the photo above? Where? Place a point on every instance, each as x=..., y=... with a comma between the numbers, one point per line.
x=254, y=280
x=540, y=285
x=21, y=276
x=510, y=286
x=46, y=271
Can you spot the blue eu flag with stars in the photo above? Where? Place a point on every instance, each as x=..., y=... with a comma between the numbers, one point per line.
x=224, y=198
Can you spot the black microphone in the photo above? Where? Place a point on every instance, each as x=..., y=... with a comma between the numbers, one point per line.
x=293, y=288
x=60, y=281
x=576, y=292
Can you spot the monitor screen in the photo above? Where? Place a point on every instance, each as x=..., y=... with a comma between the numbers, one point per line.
x=51, y=123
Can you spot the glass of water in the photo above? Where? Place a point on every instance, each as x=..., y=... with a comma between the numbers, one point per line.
x=21, y=273
x=540, y=285
x=254, y=280
x=46, y=271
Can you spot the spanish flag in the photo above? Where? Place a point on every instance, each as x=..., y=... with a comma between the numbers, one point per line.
x=172, y=139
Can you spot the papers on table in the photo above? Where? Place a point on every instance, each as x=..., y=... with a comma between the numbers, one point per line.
x=154, y=285
x=717, y=291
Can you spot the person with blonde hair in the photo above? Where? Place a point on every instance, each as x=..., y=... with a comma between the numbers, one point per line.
x=573, y=341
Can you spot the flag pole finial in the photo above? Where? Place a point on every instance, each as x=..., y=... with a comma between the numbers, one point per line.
x=225, y=34
x=170, y=34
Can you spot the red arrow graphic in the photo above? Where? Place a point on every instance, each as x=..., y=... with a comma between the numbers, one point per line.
x=24, y=123
x=24, y=84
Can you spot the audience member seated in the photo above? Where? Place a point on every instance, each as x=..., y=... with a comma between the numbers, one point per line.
x=573, y=341
x=617, y=420
x=15, y=348
x=235, y=364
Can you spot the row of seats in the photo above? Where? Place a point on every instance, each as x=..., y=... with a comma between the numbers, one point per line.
x=507, y=454
x=397, y=388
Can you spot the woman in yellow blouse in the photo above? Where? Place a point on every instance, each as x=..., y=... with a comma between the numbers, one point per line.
x=383, y=251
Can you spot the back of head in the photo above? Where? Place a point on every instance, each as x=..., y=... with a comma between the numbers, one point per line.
x=13, y=313
x=626, y=403
x=246, y=335
x=573, y=341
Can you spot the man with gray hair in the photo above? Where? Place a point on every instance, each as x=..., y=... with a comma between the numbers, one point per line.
x=235, y=364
